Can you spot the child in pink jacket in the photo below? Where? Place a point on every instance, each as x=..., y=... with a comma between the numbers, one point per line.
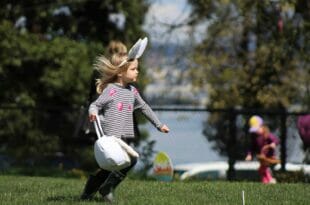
x=264, y=144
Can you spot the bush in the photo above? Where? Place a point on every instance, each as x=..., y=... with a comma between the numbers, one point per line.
x=291, y=177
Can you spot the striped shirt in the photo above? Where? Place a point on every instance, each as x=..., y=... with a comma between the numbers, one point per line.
x=115, y=107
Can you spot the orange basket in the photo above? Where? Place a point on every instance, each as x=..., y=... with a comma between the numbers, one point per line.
x=267, y=161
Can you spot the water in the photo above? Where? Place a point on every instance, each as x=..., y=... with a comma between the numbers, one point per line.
x=185, y=142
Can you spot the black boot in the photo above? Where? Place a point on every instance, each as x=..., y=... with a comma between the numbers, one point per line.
x=111, y=183
x=113, y=180
x=93, y=183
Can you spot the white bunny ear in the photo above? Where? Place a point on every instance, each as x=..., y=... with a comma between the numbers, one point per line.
x=134, y=50
x=137, y=49
x=142, y=47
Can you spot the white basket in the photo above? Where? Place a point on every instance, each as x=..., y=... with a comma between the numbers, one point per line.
x=111, y=153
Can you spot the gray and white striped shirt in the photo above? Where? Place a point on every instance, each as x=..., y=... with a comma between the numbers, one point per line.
x=115, y=106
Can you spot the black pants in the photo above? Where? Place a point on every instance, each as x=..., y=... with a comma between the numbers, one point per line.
x=105, y=173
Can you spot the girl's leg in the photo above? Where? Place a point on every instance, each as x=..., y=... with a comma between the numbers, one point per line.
x=268, y=175
x=263, y=172
x=271, y=180
x=93, y=183
x=115, y=178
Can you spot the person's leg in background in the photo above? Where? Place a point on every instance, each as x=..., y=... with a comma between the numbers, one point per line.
x=271, y=179
x=263, y=172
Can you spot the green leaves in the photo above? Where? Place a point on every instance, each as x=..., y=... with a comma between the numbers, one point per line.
x=46, y=67
x=248, y=60
x=242, y=77
x=30, y=63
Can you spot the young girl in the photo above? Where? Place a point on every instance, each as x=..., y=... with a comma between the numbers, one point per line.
x=116, y=103
x=264, y=144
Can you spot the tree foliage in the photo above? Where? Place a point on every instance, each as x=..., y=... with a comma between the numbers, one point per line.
x=255, y=54
x=36, y=73
x=86, y=20
x=47, y=51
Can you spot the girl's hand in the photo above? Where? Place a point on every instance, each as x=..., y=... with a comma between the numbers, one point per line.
x=248, y=157
x=164, y=129
x=273, y=145
x=92, y=117
x=264, y=149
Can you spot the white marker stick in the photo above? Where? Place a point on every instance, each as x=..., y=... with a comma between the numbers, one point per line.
x=243, y=199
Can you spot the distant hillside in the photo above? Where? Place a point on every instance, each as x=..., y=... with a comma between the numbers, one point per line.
x=168, y=67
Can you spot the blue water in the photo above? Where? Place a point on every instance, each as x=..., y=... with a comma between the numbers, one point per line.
x=185, y=142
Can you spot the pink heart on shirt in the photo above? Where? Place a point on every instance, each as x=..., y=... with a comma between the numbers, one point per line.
x=112, y=92
x=120, y=106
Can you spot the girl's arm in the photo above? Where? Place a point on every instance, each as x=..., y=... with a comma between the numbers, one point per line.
x=98, y=104
x=252, y=148
x=274, y=140
x=148, y=112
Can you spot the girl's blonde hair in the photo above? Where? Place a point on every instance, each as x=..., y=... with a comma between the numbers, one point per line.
x=108, y=70
x=117, y=47
x=266, y=130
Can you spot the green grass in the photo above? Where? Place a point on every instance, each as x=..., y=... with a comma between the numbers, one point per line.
x=25, y=190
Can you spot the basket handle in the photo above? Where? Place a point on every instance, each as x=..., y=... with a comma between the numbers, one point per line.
x=98, y=127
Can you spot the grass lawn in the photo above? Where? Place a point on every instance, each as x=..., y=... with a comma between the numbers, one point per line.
x=47, y=190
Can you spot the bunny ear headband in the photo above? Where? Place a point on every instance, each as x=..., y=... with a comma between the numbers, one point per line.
x=136, y=50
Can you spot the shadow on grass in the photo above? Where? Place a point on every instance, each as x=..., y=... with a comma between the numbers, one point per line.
x=72, y=199
x=44, y=172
